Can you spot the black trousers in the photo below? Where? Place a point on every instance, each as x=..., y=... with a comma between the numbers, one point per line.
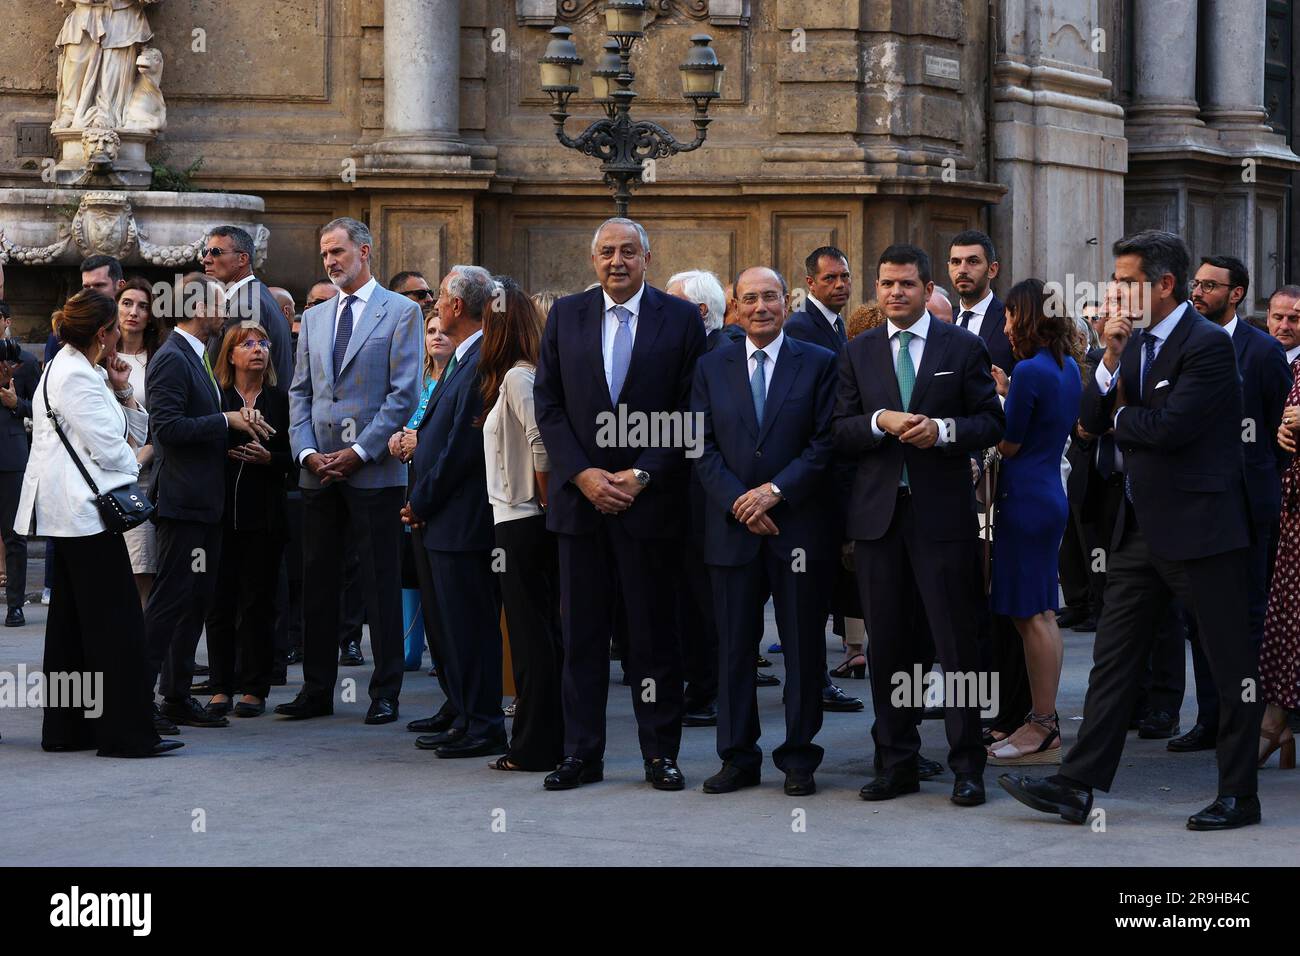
x=11, y=486
x=433, y=634
x=1073, y=563
x=530, y=593
x=799, y=600
x=699, y=627
x=593, y=568
x=184, y=589
x=334, y=517
x=241, y=625
x=891, y=570
x=1139, y=590
x=96, y=627
x=470, y=625
x=288, y=623
x=352, y=608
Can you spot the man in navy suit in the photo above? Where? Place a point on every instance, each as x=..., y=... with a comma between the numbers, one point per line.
x=450, y=499
x=915, y=400
x=228, y=258
x=769, y=526
x=1220, y=285
x=190, y=433
x=1172, y=393
x=616, y=360
x=972, y=267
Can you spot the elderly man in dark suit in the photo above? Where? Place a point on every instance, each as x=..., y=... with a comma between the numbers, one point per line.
x=450, y=499
x=1168, y=384
x=1220, y=285
x=972, y=267
x=915, y=400
x=188, y=487
x=356, y=381
x=769, y=525
x=612, y=395
x=228, y=258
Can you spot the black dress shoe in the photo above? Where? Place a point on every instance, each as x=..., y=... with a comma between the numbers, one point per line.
x=800, y=783
x=434, y=741
x=201, y=670
x=162, y=726
x=467, y=745
x=573, y=772
x=1050, y=796
x=731, y=778
x=1226, y=813
x=203, y=689
x=217, y=709
x=245, y=709
x=279, y=675
x=927, y=769
x=763, y=661
x=1199, y=737
x=190, y=713
x=351, y=655
x=294, y=656
x=834, y=699
x=157, y=750
x=436, y=724
x=1158, y=725
x=1070, y=616
x=968, y=790
x=382, y=711
x=304, y=706
x=891, y=783
x=15, y=617
x=704, y=716
x=767, y=680
x=663, y=774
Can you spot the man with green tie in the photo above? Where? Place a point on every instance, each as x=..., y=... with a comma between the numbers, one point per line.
x=915, y=400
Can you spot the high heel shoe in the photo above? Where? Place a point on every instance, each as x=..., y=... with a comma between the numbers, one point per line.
x=855, y=666
x=1281, y=739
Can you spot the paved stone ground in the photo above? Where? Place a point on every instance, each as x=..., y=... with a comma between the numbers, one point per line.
x=335, y=792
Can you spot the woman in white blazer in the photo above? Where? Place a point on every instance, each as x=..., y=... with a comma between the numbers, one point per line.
x=95, y=626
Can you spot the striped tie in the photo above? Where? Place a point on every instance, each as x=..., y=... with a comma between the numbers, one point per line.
x=343, y=335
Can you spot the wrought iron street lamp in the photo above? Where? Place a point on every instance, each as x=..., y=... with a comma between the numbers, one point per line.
x=621, y=143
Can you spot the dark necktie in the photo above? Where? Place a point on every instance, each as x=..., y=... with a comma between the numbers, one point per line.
x=758, y=385
x=839, y=330
x=964, y=320
x=343, y=335
x=1148, y=359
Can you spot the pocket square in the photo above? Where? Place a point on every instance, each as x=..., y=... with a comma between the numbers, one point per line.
x=1162, y=383
x=937, y=374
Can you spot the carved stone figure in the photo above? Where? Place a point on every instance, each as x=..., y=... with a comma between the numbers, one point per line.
x=99, y=46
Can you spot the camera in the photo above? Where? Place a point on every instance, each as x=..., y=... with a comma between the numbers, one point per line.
x=10, y=351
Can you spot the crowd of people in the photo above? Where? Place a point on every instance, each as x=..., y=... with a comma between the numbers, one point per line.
x=635, y=473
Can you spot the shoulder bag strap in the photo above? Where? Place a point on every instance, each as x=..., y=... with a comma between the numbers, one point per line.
x=58, y=429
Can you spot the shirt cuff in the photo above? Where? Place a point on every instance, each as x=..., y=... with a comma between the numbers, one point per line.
x=875, y=429
x=1105, y=377
x=361, y=452
x=944, y=437
x=303, y=455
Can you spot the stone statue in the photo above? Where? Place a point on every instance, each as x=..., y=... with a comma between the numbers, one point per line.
x=99, y=46
x=146, y=112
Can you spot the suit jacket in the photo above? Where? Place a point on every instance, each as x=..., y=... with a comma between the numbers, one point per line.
x=254, y=302
x=374, y=395
x=1181, y=441
x=791, y=447
x=993, y=332
x=1265, y=382
x=13, y=434
x=255, y=494
x=809, y=325
x=574, y=409
x=952, y=383
x=1081, y=453
x=190, y=435
x=450, y=489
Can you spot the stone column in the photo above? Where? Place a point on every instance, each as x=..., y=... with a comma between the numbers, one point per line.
x=1235, y=65
x=1164, y=64
x=421, y=88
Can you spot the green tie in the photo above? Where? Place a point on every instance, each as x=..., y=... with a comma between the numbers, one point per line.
x=451, y=367
x=208, y=366
x=906, y=373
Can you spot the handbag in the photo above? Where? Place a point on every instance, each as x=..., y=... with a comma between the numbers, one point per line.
x=122, y=508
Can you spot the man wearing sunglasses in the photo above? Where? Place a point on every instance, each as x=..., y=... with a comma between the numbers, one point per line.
x=412, y=285
x=227, y=256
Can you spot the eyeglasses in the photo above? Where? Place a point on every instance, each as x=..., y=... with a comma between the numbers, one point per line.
x=250, y=343
x=1207, y=285
x=420, y=294
x=771, y=298
x=214, y=252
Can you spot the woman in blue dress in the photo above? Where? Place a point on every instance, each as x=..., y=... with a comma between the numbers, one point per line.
x=1042, y=406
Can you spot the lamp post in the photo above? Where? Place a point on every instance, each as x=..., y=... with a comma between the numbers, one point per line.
x=621, y=143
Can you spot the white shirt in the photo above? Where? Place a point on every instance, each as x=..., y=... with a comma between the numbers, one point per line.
x=979, y=308
x=916, y=349
x=1163, y=329
x=827, y=314
x=464, y=346
x=609, y=328
x=1231, y=327
x=201, y=351
x=1292, y=354
x=772, y=350
x=228, y=292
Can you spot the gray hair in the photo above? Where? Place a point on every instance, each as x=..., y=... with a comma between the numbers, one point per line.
x=239, y=238
x=1160, y=252
x=474, y=286
x=1084, y=329
x=941, y=293
x=357, y=231
x=621, y=221
x=700, y=286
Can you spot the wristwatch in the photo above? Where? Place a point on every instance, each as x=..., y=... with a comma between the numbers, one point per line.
x=775, y=490
x=642, y=477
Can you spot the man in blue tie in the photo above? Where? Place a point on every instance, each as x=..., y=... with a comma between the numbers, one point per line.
x=770, y=526
x=618, y=355
x=356, y=382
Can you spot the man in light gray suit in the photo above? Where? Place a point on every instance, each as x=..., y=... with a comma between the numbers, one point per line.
x=356, y=382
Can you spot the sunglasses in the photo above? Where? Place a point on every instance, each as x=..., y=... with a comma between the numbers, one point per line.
x=250, y=343
x=214, y=252
x=419, y=294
